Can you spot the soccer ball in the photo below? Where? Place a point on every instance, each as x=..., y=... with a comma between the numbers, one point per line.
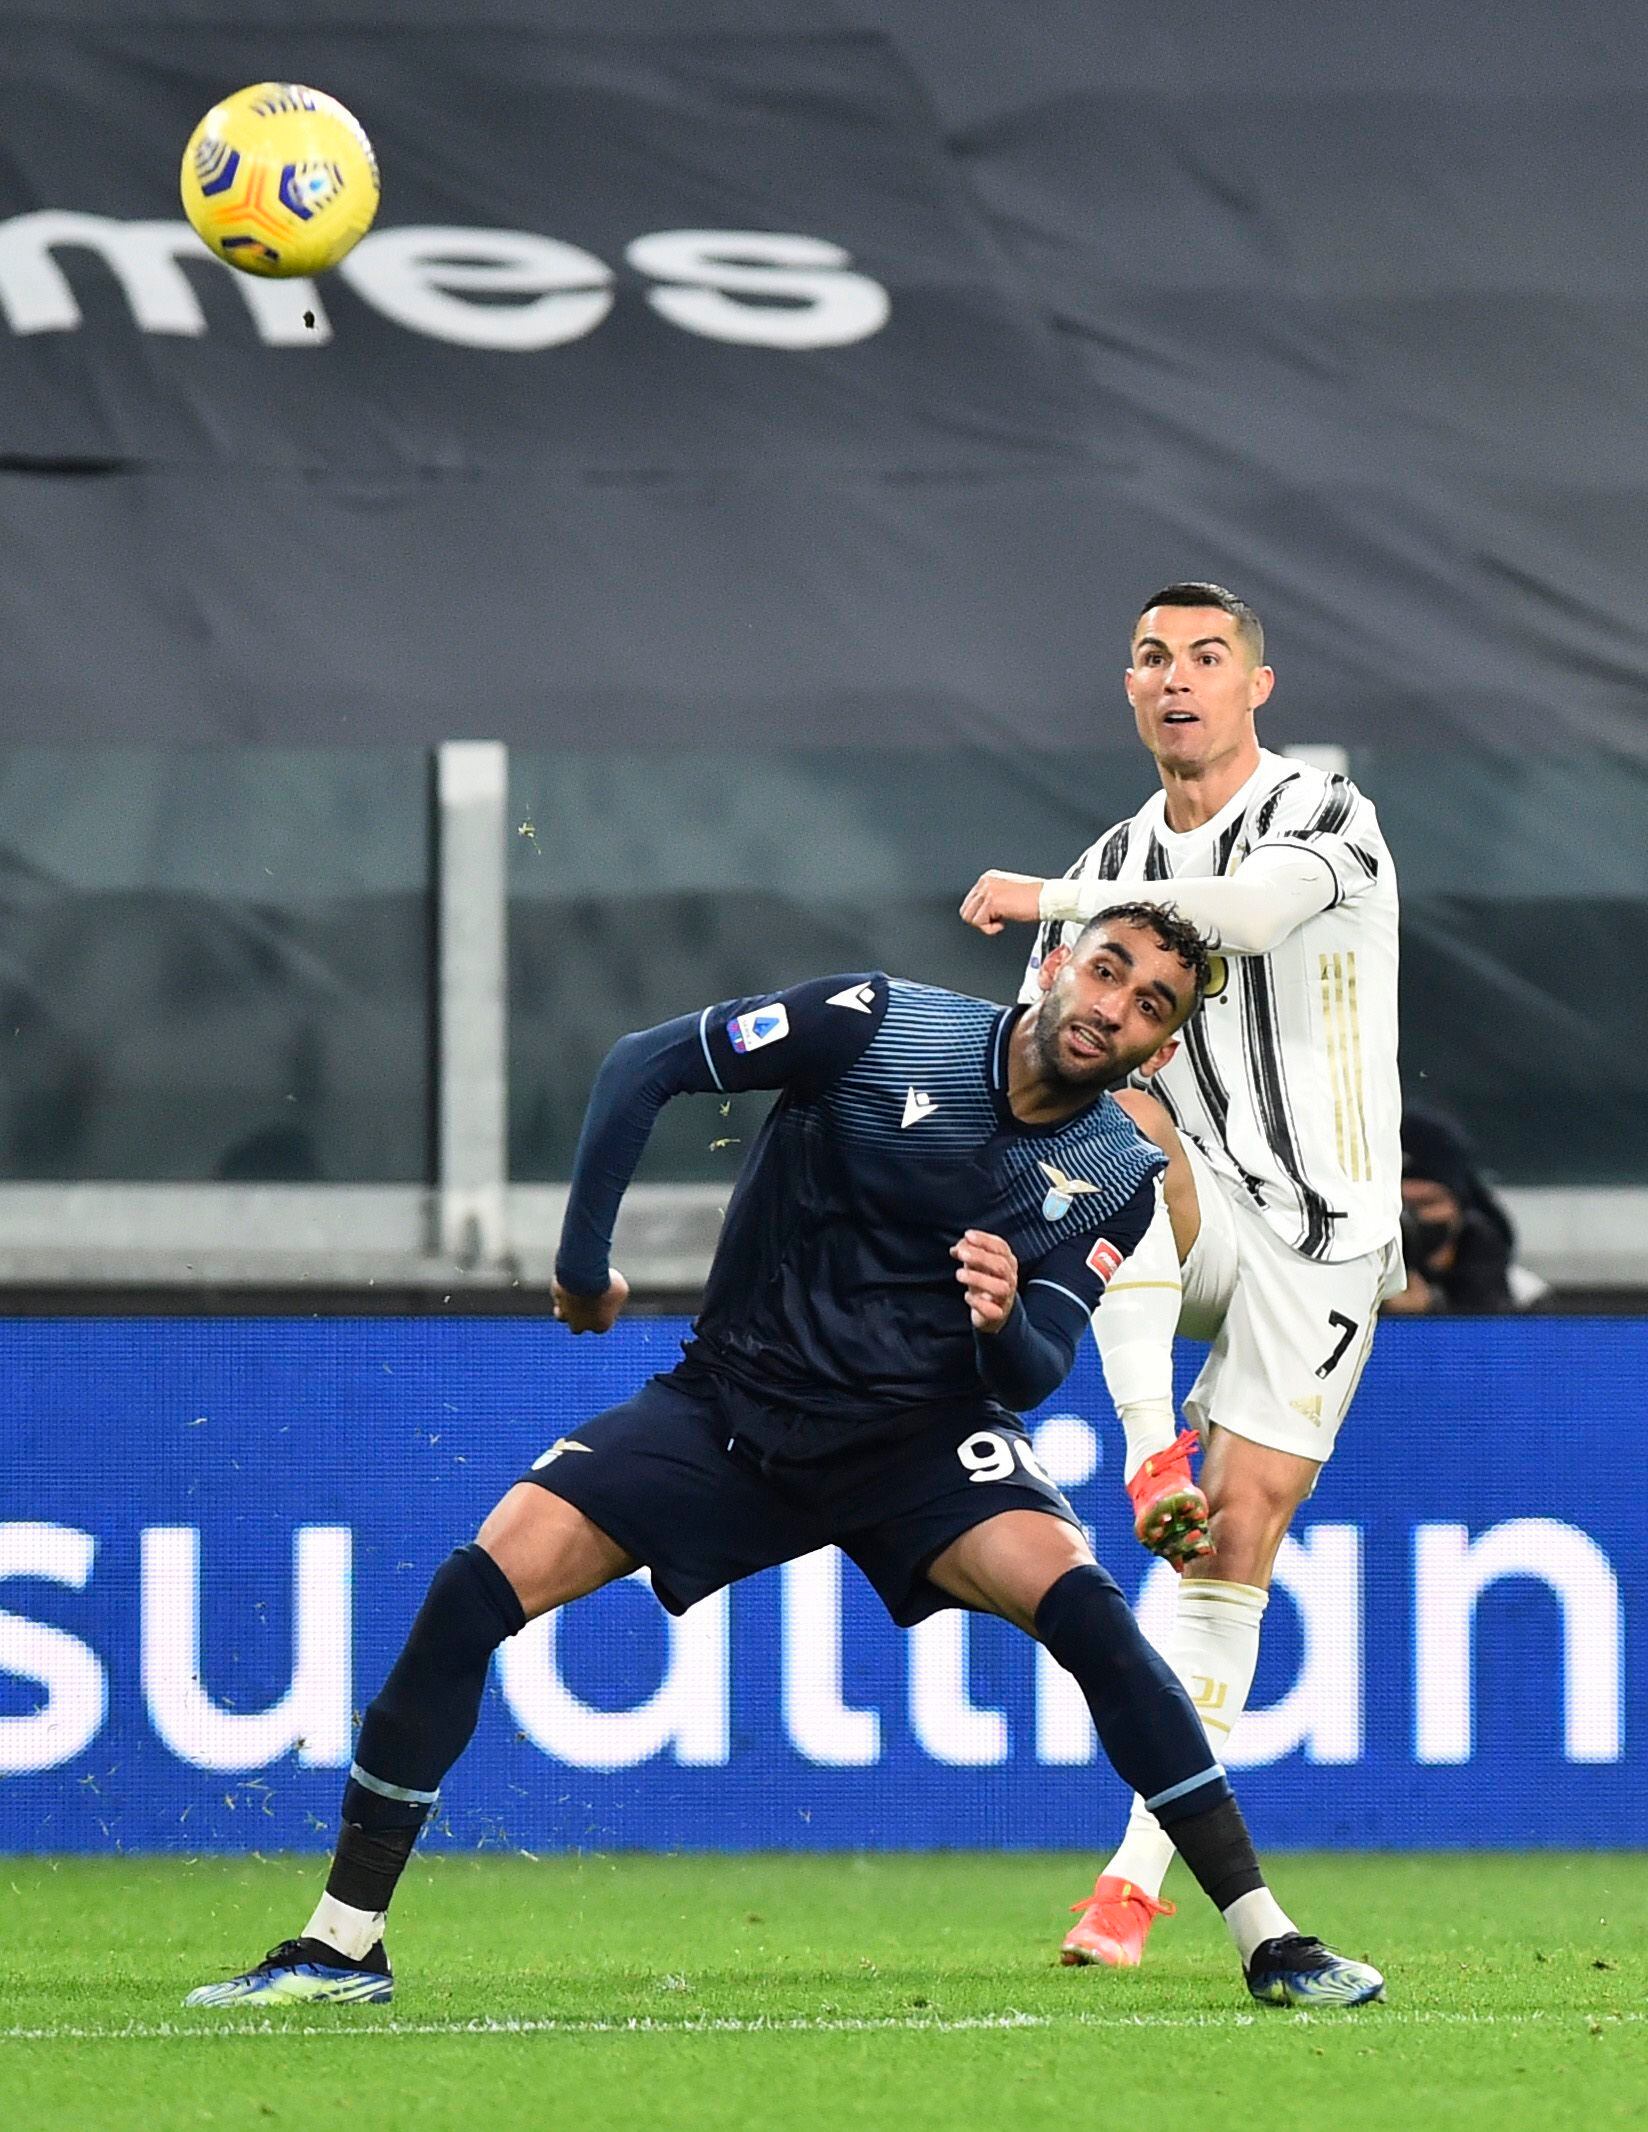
x=279, y=179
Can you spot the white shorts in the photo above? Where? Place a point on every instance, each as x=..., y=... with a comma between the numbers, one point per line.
x=1290, y=1334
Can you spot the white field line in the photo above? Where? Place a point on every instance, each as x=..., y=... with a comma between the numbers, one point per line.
x=232, y=2027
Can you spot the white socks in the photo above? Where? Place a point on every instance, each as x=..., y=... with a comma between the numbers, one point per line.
x=1134, y=1328
x=1253, y=1919
x=1214, y=1649
x=1214, y=1646
x=354, y=1933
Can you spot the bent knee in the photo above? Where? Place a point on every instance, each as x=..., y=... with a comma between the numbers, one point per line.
x=1246, y=1535
x=548, y=1549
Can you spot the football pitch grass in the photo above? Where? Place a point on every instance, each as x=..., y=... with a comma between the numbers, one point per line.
x=879, y=1992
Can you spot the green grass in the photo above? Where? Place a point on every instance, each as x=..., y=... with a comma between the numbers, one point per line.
x=880, y=1993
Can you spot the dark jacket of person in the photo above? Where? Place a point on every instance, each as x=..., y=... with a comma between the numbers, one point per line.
x=1476, y=1279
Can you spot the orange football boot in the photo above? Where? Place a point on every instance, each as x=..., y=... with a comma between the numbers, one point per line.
x=1169, y=1510
x=1114, y=1924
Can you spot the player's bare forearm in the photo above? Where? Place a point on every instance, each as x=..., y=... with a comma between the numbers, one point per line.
x=989, y=1277
x=591, y=1313
x=998, y=899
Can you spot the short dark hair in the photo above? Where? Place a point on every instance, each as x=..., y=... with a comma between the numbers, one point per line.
x=1194, y=593
x=1177, y=935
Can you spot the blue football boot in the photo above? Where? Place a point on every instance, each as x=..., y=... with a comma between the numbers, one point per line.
x=306, y=1970
x=1296, y=1971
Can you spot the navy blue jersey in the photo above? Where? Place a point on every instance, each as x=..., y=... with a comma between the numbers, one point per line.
x=833, y=1290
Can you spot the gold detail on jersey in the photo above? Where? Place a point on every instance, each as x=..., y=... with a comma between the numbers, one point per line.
x=1342, y=1034
x=1218, y=976
x=1356, y=1055
x=1310, y=1406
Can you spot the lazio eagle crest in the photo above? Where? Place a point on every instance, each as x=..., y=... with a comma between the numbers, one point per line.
x=1064, y=1191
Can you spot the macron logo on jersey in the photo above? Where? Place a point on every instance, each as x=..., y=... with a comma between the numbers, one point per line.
x=1103, y=1259
x=918, y=1104
x=860, y=998
x=760, y=1027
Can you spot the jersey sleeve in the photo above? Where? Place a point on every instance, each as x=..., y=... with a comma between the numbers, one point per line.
x=809, y=1034
x=805, y=1036
x=1071, y=1278
x=1030, y=1357
x=1334, y=825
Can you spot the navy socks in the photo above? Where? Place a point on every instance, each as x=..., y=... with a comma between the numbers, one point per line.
x=1148, y=1727
x=1146, y=1723
x=419, y=1724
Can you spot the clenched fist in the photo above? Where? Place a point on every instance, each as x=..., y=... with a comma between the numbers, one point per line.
x=997, y=899
x=591, y=1313
x=989, y=1276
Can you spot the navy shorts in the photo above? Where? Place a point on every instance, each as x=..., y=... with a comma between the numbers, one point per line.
x=698, y=1482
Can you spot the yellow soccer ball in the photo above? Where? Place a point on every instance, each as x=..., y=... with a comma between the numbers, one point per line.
x=279, y=179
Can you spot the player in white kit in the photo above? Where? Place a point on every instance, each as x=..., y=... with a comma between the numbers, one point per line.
x=1280, y=1115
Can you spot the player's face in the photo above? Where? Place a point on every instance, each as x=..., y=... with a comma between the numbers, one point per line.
x=1111, y=1009
x=1193, y=686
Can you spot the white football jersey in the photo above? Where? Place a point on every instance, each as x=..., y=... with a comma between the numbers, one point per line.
x=1287, y=1078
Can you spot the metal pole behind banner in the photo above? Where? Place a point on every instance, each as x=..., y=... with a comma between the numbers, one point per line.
x=471, y=1068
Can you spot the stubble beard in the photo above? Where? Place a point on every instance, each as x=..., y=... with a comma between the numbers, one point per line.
x=1044, y=1043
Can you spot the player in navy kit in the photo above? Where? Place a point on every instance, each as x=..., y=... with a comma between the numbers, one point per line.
x=914, y=1250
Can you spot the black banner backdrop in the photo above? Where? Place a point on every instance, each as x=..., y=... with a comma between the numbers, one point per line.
x=817, y=403
x=699, y=255
x=832, y=384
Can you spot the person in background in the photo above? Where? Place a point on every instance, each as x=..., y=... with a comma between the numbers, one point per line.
x=1456, y=1236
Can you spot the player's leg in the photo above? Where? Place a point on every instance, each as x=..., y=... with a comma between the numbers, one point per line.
x=1214, y=1649
x=972, y=1519
x=1134, y=1328
x=533, y=1552
x=1276, y=1388
x=650, y=1481
x=1039, y=1573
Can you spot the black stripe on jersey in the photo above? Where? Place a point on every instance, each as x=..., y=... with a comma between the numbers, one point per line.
x=1115, y=851
x=1335, y=810
x=1268, y=805
x=1262, y=1042
x=1365, y=859
x=1227, y=844
x=1209, y=1087
x=1210, y=1091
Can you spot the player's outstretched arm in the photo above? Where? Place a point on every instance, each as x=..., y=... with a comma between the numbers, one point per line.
x=1246, y=913
x=808, y=1034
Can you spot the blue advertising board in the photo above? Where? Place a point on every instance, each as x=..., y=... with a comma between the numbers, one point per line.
x=213, y=1534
